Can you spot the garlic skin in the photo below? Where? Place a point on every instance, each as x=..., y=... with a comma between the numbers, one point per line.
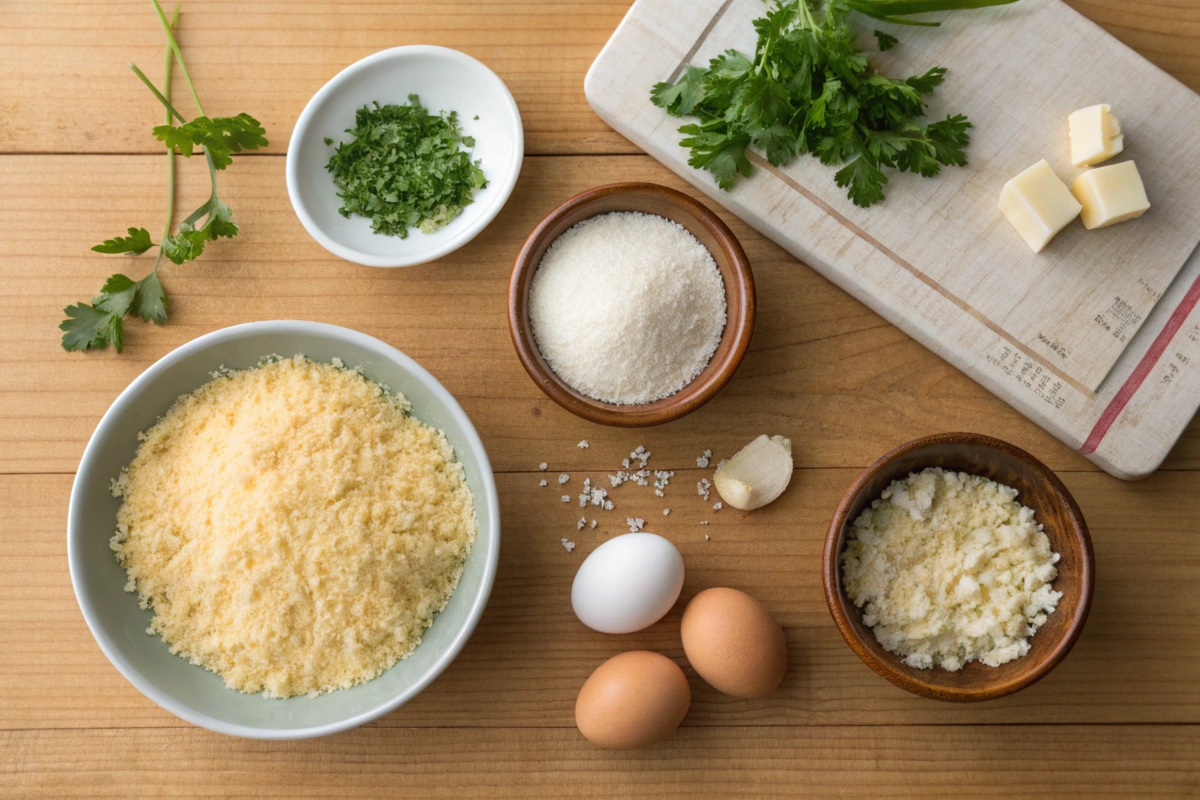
x=757, y=474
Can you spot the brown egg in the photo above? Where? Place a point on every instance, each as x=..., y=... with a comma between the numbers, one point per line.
x=734, y=643
x=632, y=700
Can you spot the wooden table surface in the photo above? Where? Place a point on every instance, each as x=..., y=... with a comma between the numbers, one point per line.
x=78, y=164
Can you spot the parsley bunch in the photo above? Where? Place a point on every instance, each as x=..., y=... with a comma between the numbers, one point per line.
x=404, y=167
x=809, y=89
x=101, y=323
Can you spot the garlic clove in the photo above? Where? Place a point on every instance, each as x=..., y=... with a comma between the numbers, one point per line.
x=757, y=474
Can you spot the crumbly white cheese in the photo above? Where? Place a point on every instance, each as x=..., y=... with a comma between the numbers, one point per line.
x=949, y=568
x=293, y=528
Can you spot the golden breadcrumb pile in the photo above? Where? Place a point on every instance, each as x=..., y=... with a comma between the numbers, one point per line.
x=293, y=528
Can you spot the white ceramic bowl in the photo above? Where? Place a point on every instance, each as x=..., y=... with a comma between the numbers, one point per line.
x=446, y=80
x=119, y=625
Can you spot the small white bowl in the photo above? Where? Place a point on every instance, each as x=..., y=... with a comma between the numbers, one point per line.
x=119, y=625
x=445, y=80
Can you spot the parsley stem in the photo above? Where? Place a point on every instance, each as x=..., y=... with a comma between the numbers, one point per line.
x=174, y=45
x=167, y=67
x=171, y=112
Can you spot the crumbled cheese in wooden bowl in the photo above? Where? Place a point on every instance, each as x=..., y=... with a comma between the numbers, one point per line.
x=949, y=568
x=293, y=528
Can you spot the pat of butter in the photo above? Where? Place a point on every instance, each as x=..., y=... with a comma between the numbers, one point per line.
x=1110, y=194
x=1038, y=205
x=1095, y=135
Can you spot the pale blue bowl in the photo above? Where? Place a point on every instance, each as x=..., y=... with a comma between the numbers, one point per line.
x=199, y=696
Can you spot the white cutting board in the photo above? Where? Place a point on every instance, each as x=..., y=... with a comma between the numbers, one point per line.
x=1062, y=335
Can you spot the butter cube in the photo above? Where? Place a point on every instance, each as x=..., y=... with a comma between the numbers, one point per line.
x=1095, y=135
x=1110, y=195
x=1038, y=205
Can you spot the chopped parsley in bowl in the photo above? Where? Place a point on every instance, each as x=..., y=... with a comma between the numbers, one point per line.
x=395, y=160
x=405, y=167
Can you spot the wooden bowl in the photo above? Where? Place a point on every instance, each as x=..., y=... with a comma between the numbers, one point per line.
x=1054, y=508
x=706, y=226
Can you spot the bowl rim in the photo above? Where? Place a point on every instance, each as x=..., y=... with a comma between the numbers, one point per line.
x=641, y=415
x=131, y=394
x=300, y=130
x=841, y=606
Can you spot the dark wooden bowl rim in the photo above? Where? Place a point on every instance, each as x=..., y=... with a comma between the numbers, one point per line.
x=706, y=226
x=985, y=683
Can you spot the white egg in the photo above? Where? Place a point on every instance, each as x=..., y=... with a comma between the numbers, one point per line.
x=627, y=583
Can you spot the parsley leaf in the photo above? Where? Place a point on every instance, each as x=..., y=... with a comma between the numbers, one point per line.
x=809, y=89
x=150, y=302
x=218, y=137
x=886, y=40
x=137, y=242
x=926, y=83
x=864, y=179
x=681, y=97
x=100, y=324
x=86, y=327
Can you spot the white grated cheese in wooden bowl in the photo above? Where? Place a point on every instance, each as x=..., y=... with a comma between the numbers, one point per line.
x=949, y=568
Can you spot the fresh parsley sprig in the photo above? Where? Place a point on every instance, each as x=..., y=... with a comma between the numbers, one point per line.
x=102, y=322
x=809, y=89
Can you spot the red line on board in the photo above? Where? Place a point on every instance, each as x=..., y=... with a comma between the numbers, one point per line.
x=1139, y=374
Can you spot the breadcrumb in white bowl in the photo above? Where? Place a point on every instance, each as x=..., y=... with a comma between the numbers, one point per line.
x=120, y=626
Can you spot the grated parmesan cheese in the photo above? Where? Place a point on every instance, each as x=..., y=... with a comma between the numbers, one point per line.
x=627, y=307
x=293, y=529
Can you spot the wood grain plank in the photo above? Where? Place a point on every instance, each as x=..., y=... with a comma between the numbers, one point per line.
x=822, y=368
x=979, y=761
x=1164, y=31
x=529, y=656
x=63, y=64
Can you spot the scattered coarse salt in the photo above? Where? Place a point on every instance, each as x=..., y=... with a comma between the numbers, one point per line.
x=583, y=444
x=704, y=522
x=635, y=525
x=542, y=466
x=594, y=495
x=718, y=506
x=627, y=307
x=543, y=482
x=703, y=487
x=707, y=537
x=666, y=511
x=567, y=544
x=594, y=524
x=582, y=521
x=563, y=478
x=702, y=460
x=566, y=498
